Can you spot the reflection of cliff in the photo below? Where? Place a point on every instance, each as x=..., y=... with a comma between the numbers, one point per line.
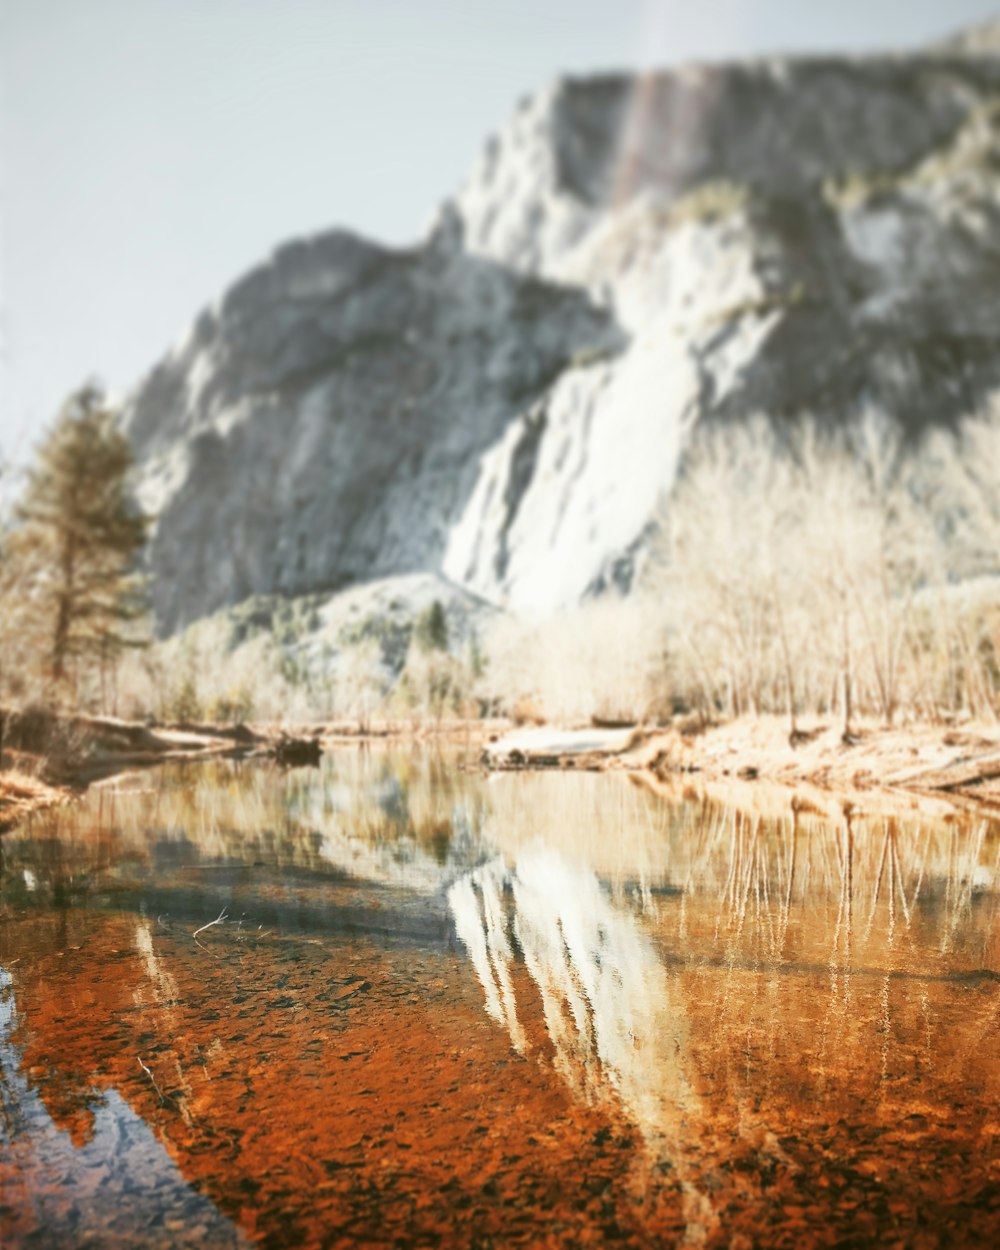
x=610, y=1018
x=770, y=1001
x=310, y=1088
x=122, y=1167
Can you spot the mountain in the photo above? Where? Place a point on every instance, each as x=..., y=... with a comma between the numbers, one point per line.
x=505, y=404
x=981, y=40
x=323, y=424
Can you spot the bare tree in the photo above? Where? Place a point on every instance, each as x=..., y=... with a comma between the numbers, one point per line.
x=794, y=561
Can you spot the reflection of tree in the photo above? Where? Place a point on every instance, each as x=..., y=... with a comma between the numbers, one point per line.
x=893, y=912
x=890, y=913
x=400, y=818
x=864, y=890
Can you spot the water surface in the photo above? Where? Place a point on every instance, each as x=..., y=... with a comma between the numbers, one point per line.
x=436, y=1008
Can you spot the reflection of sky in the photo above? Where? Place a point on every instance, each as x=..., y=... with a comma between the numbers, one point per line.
x=110, y=1188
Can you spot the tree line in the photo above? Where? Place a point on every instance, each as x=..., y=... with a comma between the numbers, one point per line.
x=837, y=572
x=799, y=571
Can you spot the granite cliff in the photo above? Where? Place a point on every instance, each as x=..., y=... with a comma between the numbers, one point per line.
x=504, y=404
x=323, y=424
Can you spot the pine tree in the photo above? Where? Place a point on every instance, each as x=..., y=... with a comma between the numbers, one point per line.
x=80, y=535
x=431, y=628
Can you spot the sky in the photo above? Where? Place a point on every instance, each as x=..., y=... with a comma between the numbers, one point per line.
x=151, y=151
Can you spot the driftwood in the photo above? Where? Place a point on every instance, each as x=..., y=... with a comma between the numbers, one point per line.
x=558, y=748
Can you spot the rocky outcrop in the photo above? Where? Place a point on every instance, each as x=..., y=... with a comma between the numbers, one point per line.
x=818, y=238
x=507, y=404
x=981, y=40
x=322, y=425
x=586, y=148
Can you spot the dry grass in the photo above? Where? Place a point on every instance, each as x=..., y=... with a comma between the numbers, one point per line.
x=21, y=794
x=918, y=756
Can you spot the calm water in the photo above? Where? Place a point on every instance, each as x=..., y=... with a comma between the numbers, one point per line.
x=444, y=1010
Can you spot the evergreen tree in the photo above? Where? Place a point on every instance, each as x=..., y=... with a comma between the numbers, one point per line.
x=431, y=629
x=80, y=535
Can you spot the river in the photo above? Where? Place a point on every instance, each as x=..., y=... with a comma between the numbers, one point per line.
x=394, y=1002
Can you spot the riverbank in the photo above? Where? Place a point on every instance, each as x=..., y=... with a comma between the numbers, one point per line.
x=22, y=794
x=48, y=758
x=755, y=756
x=961, y=761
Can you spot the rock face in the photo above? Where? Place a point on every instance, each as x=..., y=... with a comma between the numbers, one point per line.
x=506, y=404
x=788, y=238
x=982, y=40
x=324, y=423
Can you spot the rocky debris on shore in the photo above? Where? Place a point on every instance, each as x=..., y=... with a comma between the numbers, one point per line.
x=961, y=760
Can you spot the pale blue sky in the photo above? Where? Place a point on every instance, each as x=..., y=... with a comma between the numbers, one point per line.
x=152, y=150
